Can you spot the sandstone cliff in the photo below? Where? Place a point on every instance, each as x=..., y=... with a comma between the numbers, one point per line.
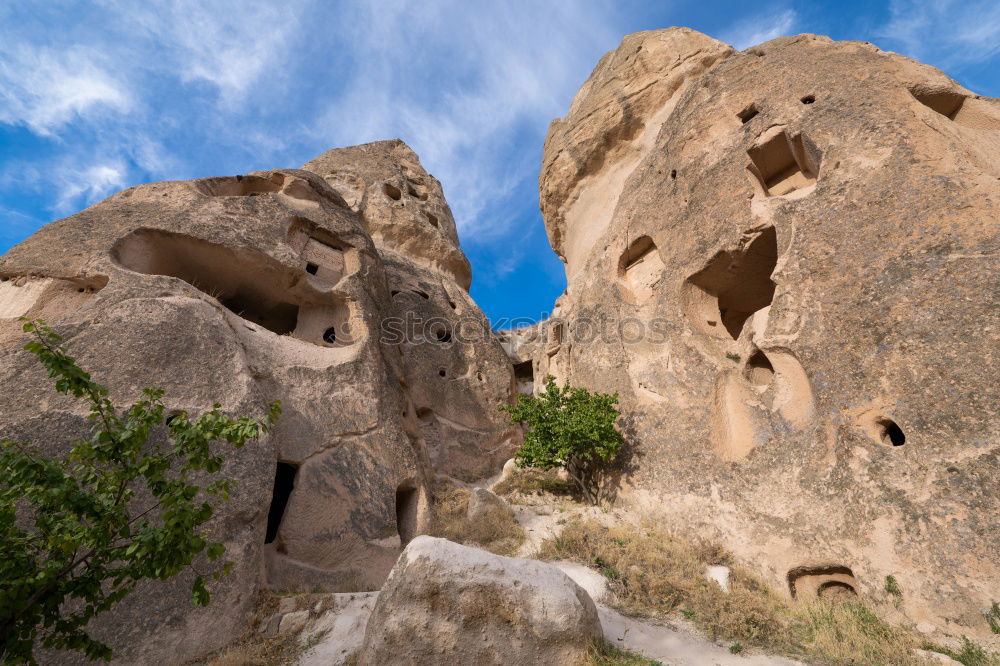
x=785, y=260
x=271, y=286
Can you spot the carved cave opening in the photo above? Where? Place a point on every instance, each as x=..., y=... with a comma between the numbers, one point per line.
x=733, y=286
x=945, y=102
x=524, y=375
x=891, y=433
x=284, y=483
x=239, y=186
x=782, y=164
x=248, y=283
x=407, y=502
x=759, y=371
x=392, y=192
x=324, y=260
x=747, y=113
x=639, y=269
x=970, y=112
x=832, y=582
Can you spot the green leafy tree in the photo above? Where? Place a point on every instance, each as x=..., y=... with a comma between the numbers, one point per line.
x=571, y=428
x=78, y=532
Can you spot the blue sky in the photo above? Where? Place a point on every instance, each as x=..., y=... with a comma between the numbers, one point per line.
x=99, y=95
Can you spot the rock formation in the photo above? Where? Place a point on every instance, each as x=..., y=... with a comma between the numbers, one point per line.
x=785, y=260
x=271, y=286
x=454, y=388
x=449, y=604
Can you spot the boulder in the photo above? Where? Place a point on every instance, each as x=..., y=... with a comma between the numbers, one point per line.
x=449, y=604
x=483, y=502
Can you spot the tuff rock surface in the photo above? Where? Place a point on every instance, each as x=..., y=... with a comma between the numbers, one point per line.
x=271, y=286
x=445, y=603
x=783, y=259
x=786, y=265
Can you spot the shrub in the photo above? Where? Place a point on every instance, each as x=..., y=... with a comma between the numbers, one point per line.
x=993, y=617
x=970, y=654
x=571, y=428
x=892, y=587
x=77, y=533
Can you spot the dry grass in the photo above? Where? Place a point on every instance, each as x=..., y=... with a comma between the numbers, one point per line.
x=606, y=654
x=253, y=648
x=654, y=574
x=497, y=531
x=534, y=482
x=969, y=654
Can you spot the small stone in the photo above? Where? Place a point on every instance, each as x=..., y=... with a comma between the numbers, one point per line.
x=720, y=575
x=270, y=628
x=293, y=623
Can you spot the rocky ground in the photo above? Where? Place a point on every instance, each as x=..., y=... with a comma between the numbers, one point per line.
x=324, y=629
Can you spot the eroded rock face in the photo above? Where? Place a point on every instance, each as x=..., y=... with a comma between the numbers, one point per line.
x=610, y=127
x=449, y=604
x=403, y=206
x=241, y=291
x=456, y=372
x=797, y=293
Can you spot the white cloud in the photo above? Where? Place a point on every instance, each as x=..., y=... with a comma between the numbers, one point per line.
x=79, y=187
x=230, y=48
x=45, y=88
x=949, y=32
x=507, y=73
x=758, y=30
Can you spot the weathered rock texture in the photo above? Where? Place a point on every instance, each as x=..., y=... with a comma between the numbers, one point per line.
x=791, y=279
x=455, y=371
x=449, y=604
x=262, y=287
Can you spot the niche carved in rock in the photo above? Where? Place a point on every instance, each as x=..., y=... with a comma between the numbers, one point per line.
x=639, y=269
x=45, y=297
x=721, y=297
x=781, y=164
x=831, y=582
x=248, y=283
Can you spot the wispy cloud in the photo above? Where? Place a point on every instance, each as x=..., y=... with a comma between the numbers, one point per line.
x=508, y=74
x=757, y=30
x=139, y=83
x=948, y=32
x=15, y=226
x=205, y=41
x=44, y=88
x=89, y=183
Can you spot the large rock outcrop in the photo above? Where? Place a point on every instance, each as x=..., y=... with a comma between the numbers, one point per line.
x=247, y=289
x=449, y=604
x=611, y=125
x=794, y=289
x=455, y=371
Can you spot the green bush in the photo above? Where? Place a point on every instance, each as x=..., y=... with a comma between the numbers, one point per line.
x=993, y=617
x=78, y=532
x=571, y=428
